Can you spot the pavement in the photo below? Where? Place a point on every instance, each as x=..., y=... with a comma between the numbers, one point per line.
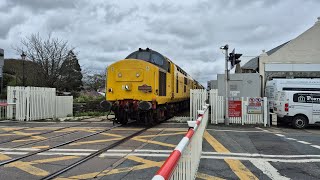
x=233, y=152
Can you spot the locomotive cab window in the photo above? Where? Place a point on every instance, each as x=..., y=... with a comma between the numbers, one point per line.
x=152, y=57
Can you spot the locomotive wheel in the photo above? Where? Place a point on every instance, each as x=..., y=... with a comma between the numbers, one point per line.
x=122, y=117
x=146, y=117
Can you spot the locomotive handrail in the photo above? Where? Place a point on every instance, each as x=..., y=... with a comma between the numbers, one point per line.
x=184, y=160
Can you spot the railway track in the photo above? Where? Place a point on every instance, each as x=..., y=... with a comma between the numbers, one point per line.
x=92, y=155
x=18, y=123
x=43, y=133
x=56, y=146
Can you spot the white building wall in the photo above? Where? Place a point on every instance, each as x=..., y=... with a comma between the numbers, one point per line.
x=300, y=54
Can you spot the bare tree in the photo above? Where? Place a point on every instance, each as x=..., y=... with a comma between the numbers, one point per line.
x=48, y=53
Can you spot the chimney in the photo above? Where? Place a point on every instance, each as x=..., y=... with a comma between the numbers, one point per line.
x=318, y=22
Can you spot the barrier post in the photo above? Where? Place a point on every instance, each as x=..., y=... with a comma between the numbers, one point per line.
x=184, y=160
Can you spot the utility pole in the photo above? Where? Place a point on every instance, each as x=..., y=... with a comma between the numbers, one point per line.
x=23, y=57
x=226, y=120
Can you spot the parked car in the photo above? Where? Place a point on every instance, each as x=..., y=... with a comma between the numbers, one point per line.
x=300, y=108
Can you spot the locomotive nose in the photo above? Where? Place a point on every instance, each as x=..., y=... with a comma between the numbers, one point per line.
x=129, y=75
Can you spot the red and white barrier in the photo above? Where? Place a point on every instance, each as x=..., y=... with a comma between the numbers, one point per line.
x=184, y=161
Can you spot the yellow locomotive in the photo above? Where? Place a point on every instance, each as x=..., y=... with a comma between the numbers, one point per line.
x=148, y=87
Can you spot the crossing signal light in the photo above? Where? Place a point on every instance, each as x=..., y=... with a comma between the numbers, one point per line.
x=234, y=58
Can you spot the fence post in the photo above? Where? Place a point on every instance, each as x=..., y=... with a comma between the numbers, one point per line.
x=265, y=111
x=243, y=111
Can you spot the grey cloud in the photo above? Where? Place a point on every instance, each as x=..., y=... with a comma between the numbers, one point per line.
x=190, y=32
x=9, y=21
x=36, y=5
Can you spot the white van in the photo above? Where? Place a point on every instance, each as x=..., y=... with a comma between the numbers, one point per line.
x=276, y=85
x=300, y=108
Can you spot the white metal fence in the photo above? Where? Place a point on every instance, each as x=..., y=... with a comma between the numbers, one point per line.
x=197, y=100
x=218, y=111
x=34, y=103
x=217, y=107
x=185, y=167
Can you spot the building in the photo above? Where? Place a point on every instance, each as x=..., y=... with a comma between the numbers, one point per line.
x=297, y=58
x=240, y=85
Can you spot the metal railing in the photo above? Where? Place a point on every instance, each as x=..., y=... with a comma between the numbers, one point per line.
x=5, y=108
x=184, y=161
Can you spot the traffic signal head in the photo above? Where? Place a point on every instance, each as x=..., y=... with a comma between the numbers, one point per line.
x=234, y=58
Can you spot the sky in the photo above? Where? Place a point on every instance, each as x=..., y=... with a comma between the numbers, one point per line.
x=189, y=32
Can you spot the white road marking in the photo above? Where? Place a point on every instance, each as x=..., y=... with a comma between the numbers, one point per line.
x=263, y=129
x=316, y=146
x=119, y=150
x=268, y=169
x=293, y=139
x=134, y=154
x=262, y=155
x=262, y=159
x=167, y=154
x=63, y=154
x=19, y=149
x=154, y=151
x=227, y=130
x=14, y=153
x=303, y=142
x=280, y=135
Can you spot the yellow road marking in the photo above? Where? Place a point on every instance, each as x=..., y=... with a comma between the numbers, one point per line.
x=156, y=135
x=27, y=167
x=53, y=159
x=207, y=177
x=154, y=142
x=40, y=147
x=237, y=167
x=113, y=135
x=27, y=134
x=94, y=141
x=4, y=157
x=146, y=164
x=11, y=129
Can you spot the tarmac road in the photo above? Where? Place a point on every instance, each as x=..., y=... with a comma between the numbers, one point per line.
x=234, y=152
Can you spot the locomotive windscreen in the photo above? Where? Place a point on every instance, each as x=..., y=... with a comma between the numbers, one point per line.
x=150, y=56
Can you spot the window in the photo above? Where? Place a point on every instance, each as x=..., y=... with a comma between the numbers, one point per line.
x=144, y=55
x=177, y=84
x=157, y=59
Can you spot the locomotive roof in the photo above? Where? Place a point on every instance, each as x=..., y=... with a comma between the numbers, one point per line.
x=151, y=56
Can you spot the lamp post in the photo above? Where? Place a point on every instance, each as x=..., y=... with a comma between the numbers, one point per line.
x=226, y=120
x=23, y=57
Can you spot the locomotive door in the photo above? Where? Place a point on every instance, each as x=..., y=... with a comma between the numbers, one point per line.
x=172, y=80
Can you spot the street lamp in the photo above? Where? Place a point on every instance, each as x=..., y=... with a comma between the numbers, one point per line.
x=23, y=57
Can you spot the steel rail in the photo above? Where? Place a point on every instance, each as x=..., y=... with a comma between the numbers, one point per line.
x=92, y=155
x=37, y=134
x=59, y=145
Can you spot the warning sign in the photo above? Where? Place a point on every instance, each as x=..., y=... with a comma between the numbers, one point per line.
x=255, y=106
x=235, y=109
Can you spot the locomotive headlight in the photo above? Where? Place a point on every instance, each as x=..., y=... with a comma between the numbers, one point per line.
x=127, y=87
x=119, y=75
x=137, y=74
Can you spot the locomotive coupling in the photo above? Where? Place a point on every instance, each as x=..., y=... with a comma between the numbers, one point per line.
x=144, y=105
x=106, y=105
